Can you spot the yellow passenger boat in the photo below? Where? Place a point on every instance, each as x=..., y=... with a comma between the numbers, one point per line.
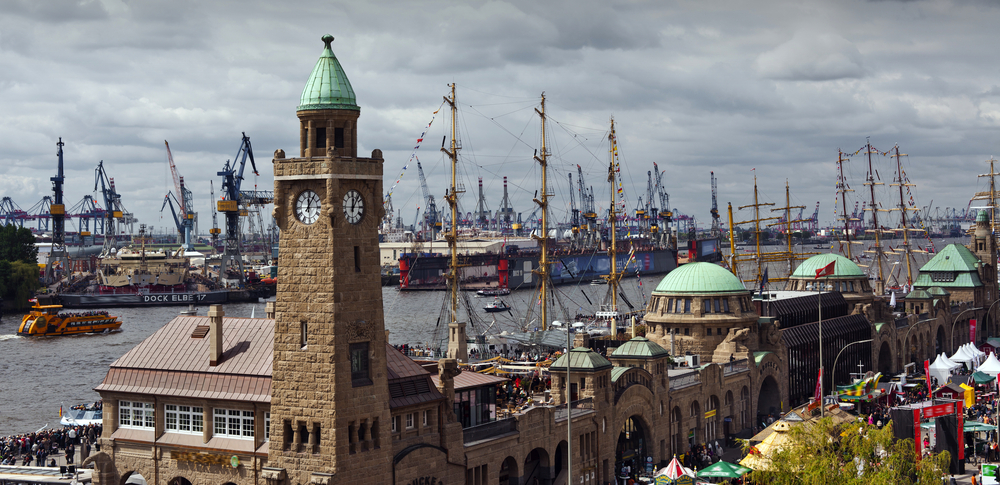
x=50, y=320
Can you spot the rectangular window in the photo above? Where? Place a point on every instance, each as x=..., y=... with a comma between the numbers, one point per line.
x=706, y=306
x=183, y=419
x=303, y=334
x=320, y=137
x=267, y=426
x=359, y=365
x=725, y=305
x=427, y=418
x=687, y=305
x=338, y=137
x=717, y=305
x=233, y=423
x=670, y=305
x=409, y=421
x=135, y=415
x=395, y=424
x=357, y=259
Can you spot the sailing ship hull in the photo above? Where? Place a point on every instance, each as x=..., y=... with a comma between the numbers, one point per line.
x=426, y=272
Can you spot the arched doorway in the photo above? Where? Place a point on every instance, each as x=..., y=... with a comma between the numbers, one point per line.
x=560, y=459
x=727, y=421
x=632, y=448
x=179, y=481
x=508, y=472
x=536, y=465
x=940, y=341
x=768, y=401
x=694, y=414
x=885, y=359
x=712, y=419
x=676, y=424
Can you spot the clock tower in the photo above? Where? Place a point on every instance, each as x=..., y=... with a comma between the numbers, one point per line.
x=329, y=399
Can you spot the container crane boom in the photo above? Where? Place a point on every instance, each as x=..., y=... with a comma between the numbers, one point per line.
x=232, y=178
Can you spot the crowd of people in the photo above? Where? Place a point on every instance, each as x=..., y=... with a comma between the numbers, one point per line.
x=39, y=448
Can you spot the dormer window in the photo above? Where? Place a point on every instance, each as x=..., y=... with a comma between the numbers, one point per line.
x=943, y=276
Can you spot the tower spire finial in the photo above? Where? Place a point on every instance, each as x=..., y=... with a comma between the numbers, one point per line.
x=327, y=39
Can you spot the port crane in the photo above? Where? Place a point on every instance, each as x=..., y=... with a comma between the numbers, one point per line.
x=482, y=214
x=85, y=210
x=214, y=231
x=57, y=211
x=113, y=209
x=715, y=206
x=231, y=267
x=11, y=213
x=431, y=218
x=574, y=221
x=185, y=202
x=41, y=213
x=505, y=215
x=178, y=221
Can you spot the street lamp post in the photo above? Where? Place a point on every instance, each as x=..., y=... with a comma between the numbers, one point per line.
x=833, y=382
x=819, y=311
x=957, y=318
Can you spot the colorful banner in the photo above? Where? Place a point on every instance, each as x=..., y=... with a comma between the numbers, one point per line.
x=819, y=385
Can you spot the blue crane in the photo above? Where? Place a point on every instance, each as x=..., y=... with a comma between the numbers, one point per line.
x=179, y=223
x=231, y=268
x=113, y=209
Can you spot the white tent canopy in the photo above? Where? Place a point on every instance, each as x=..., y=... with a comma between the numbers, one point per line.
x=991, y=366
x=941, y=370
x=961, y=356
x=944, y=358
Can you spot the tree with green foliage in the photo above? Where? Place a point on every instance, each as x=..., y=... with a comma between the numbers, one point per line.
x=18, y=265
x=821, y=452
x=17, y=244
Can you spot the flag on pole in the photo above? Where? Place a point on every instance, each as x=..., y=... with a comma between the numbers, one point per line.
x=819, y=385
x=825, y=270
x=763, y=281
x=892, y=301
x=927, y=373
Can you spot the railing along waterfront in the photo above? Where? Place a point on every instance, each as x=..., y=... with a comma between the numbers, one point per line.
x=734, y=367
x=685, y=380
x=587, y=404
x=489, y=430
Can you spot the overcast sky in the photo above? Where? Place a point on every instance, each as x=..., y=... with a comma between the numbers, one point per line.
x=693, y=86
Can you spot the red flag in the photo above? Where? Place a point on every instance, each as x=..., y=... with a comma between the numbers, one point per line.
x=819, y=385
x=927, y=373
x=825, y=270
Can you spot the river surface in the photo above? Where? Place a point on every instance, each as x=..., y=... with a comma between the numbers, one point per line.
x=40, y=373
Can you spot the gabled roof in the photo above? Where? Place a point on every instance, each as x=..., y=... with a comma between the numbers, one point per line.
x=918, y=294
x=171, y=362
x=328, y=87
x=640, y=347
x=582, y=359
x=954, y=257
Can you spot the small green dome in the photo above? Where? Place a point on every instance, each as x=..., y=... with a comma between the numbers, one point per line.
x=581, y=359
x=639, y=347
x=694, y=278
x=328, y=87
x=842, y=267
x=982, y=217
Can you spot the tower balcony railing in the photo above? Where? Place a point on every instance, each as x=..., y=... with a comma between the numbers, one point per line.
x=692, y=378
x=489, y=430
x=579, y=407
x=735, y=367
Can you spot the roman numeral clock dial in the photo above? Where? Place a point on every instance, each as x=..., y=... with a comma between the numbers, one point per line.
x=354, y=206
x=307, y=207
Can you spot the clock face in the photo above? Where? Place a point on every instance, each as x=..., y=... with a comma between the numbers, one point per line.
x=307, y=207
x=354, y=206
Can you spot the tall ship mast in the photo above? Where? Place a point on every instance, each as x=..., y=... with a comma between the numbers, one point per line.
x=990, y=195
x=842, y=190
x=457, y=344
x=758, y=256
x=871, y=182
x=787, y=222
x=543, y=205
x=903, y=183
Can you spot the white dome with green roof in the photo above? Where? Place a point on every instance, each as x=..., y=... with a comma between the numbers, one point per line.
x=700, y=278
x=842, y=267
x=328, y=87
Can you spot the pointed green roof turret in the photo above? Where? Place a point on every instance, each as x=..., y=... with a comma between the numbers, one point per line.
x=328, y=87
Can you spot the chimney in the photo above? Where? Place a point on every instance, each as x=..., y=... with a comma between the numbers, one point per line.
x=215, y=314
x=269, y=309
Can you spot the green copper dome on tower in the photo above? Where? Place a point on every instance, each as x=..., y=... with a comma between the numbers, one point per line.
x=328, y=87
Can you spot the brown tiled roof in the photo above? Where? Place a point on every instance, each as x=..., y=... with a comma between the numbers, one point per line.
x=173, y=363
x=468, y=379
x=409, y=384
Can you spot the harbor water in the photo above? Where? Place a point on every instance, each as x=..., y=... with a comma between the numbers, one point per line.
x=42, y=373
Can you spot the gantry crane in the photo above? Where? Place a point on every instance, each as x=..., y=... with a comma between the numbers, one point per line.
x=113, y=209
x=214, y=231
x=185, y=201
x=57, y=209
x=431, y=217
x=231, y=268
x=505, y=215
x=178, y=221
x=715, y=207
x=574, y=221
